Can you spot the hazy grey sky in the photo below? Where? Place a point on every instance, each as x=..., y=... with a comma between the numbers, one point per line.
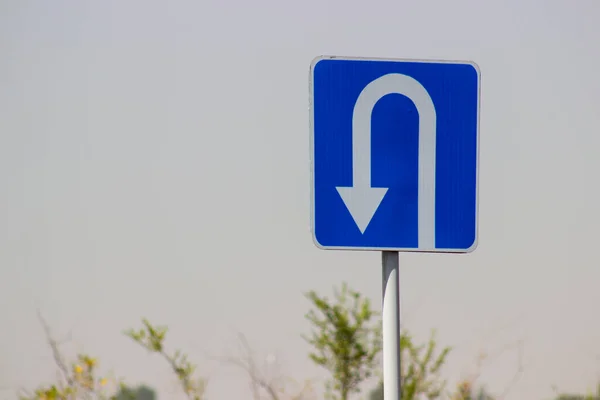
x=154, y=162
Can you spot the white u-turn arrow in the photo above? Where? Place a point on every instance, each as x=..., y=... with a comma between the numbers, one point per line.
x=363, y=200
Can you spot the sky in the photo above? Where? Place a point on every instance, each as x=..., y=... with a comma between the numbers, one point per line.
x=154, y=162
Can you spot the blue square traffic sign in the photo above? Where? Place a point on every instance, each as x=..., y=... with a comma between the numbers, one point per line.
x=394, y=154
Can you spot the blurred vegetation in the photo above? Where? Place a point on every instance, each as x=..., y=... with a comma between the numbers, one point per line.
x=345, y=339
x=77, y=379
x=420, y=370
x=139, y=393
x=589, y=396
x=152, y=339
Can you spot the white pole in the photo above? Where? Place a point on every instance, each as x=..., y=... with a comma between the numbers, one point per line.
x=391, y=326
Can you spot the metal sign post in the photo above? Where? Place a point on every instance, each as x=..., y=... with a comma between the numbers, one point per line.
x=391, y=326
x=394, y=167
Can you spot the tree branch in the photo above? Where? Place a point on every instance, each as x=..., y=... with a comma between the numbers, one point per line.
x=518, y=372
x=248, y=364
x=56, y=354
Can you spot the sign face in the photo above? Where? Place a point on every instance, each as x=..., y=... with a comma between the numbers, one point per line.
x=394, y=154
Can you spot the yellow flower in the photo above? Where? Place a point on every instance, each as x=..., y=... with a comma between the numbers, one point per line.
x=78, y=369
x=102, y=381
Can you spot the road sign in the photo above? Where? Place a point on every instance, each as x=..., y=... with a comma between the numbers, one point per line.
x=394, y=154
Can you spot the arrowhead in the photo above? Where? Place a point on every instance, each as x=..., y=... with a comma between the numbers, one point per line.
x=362, y=203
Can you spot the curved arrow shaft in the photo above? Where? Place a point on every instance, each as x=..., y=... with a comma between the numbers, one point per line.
x=361, y=144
